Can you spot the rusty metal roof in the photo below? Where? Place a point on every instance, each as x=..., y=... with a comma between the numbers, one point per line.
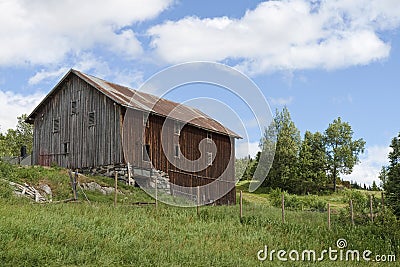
x=143, y=101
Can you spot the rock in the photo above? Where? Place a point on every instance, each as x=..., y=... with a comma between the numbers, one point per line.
x=46, y=189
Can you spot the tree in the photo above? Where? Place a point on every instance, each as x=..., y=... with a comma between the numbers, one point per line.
x=312, y=162
x=283, y=173
x=14, y=139
x=383, y=175
x=245, y=167
x=341, y=150
x=374, y=187
x=392, y=183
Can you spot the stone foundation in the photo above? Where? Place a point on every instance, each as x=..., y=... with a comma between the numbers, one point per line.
x=148, y=177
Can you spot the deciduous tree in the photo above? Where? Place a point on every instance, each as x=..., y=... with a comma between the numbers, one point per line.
x=342, y=151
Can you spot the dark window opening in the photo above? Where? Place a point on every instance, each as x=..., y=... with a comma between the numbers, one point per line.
x=146, y=152
x=74, y=107
x=92, y=118
x=177, y=151
x=56, y=125
x=209, y=137
x=66, y=147
x=209, y=158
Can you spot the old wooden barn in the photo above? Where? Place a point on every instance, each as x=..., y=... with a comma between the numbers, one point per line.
x=82, y=124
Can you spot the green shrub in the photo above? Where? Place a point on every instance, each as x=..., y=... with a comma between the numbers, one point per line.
x=6, y=191
x=294, y=202
x=359, y=199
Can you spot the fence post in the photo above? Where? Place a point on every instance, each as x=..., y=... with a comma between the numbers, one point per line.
x=371, y=212
x=129, y=173
x=329, y=216
x=198, y=199
x=116, y=188
x=156, y=191
x=75, y=183
x=241, y=205
x=283, y=207
x=351, y=212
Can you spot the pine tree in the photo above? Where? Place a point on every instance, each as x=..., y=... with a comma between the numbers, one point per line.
x=312, y=162
x=374, y=187
x=283, y=173
x=392, y=184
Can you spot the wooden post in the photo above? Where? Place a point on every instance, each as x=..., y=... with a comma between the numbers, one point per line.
x=75, y=182
x=198, y=199
x=156, y=191
x=371, y=212
x=283, y=207
x=71, y=177
x=241, y=205
x=129, y=173
x=116, y=188
x=329, y=216
x=351, y=212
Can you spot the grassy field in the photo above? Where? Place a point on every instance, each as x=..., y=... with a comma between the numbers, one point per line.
x=99, y=234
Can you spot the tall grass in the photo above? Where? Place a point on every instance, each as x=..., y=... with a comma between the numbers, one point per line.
x=99, y=234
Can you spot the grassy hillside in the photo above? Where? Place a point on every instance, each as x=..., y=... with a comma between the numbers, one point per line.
x=99, y=234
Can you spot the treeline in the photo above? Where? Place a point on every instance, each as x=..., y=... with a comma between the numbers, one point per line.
x=390, y=176
x=310, y=164
x=12, y=140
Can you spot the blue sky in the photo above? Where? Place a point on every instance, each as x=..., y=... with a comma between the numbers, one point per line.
x=323, y=59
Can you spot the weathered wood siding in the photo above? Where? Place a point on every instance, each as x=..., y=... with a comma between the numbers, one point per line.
x=78, y=144
x=159, y=128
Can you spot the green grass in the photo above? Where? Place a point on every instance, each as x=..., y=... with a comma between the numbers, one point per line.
x=98, y=234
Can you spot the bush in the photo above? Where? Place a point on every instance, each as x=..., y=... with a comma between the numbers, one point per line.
x=5, y=190
x=360, y=200
x=6, y=170
x=294, y=202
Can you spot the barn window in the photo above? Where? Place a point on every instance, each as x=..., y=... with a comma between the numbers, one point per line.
x=177, y=151
x=66, y=147
x=209, y=137
x=146, y=152
x=56, y=125
x=209, y=158
x=177, y=127
x=74, y=107
x=92, y=118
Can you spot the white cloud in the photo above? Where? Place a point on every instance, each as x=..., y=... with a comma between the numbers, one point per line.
x=44, y=74
x=370, y=165
x=44, y=32
x=244, y=149
x=281, y=101
x=15, y=105
x=88, y=63
x=281, y=35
